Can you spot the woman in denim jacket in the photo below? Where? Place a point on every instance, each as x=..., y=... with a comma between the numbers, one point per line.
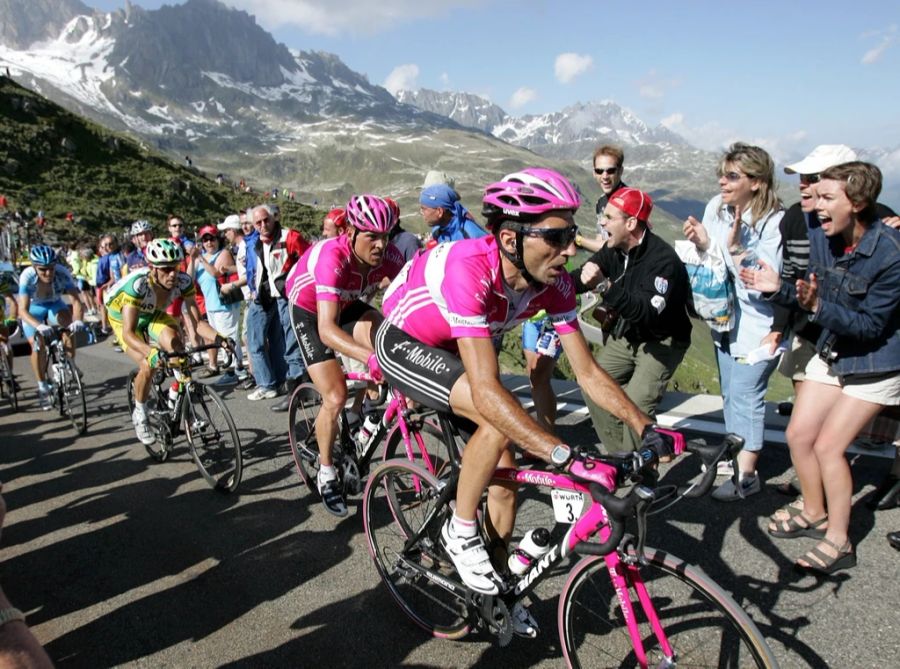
x=742, y=225
x=853, y=292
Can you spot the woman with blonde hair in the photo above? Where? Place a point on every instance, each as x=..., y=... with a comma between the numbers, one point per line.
x=740, y=224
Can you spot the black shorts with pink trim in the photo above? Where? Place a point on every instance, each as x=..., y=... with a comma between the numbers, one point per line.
x=306, y=329
x=419, y=371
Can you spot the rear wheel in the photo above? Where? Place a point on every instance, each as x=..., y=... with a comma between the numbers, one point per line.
x=213, y=438
x=74, y=402
x=704, y=625
x=398, y=498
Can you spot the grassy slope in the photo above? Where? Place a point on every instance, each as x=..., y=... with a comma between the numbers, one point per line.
x=55, y=161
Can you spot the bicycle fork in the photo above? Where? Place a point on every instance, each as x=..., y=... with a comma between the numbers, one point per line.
x=624, y=578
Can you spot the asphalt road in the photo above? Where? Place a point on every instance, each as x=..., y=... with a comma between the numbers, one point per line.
x=117, y=560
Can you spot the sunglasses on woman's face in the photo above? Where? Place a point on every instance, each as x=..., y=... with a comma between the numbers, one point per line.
x=558, y=237
x=207, y=238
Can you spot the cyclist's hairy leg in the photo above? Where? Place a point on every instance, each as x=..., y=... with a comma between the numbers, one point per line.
x=38, y=356
x=483, y=452
x=501, y=506
x=328, y=378
x=142, y=380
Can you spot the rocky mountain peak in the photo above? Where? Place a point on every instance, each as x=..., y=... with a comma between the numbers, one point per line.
x=24, y=22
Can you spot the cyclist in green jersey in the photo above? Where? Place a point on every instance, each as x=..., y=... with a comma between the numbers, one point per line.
x=137, y=314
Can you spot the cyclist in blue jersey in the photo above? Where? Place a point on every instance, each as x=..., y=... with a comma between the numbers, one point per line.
x=41, y=304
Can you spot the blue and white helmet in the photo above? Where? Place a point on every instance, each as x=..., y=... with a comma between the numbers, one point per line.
x=42, y=255
x=140, y=226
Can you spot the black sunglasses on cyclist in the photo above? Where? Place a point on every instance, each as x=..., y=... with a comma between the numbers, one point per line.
x=558, y=237
x=608, y=170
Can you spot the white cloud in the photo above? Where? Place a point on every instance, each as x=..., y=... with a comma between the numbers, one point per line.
x=402, y=78
x=888, y=36
x=570, y=65
x=340, y=17
x=672, y=120
x=445, y=80
x=522, y=97
x=654, y=87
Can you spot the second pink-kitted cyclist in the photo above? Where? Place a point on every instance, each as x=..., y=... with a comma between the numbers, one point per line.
x=327, y=288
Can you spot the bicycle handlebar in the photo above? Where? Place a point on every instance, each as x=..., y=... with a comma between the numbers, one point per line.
x=187, y=353
x=619, y=509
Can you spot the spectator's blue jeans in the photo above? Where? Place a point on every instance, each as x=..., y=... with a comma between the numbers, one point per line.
x=743, y=392
x=291, y=345
x=265, y=341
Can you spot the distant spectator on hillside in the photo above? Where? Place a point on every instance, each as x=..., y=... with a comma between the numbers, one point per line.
x=444, y=214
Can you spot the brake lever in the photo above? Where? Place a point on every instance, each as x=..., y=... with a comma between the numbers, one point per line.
x=646, y=497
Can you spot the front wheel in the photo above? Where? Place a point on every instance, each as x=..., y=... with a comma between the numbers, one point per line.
x=7, y=381
x=428, y=447
x=399, y=496
x=704, y=625
x=73, y=402
x=213, y=438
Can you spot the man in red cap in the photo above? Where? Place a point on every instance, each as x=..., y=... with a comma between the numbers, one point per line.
x=645, y=292
x=334, y=224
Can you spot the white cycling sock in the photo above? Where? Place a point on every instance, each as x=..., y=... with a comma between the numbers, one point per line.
x=327, y=473
x=141, y=408
x=463, y=528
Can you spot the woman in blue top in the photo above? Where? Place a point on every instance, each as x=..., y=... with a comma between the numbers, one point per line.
x=211, y=264
x=853, y=292
x=741, y=223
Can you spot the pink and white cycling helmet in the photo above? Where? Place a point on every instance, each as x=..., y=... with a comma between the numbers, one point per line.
x=526, y=195
x=370, y=213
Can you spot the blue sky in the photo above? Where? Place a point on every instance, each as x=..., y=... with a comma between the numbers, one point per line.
x=788, y=75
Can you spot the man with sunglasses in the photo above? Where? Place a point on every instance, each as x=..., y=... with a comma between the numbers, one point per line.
x=435, y=346
x=41, y=304
x=645, y=292
x=609, y=163
x=136, y=307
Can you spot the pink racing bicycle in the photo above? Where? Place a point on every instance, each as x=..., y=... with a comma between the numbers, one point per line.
x=623, y=604
x=405, y=432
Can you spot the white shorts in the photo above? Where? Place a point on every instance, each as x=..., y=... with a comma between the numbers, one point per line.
x=884, y=389
x=225, y=322
x=794, y=361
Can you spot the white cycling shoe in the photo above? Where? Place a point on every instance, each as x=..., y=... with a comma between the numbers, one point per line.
x=471, y=560
x=142, y=428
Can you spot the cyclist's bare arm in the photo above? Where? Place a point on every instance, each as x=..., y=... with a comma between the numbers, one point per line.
x=600, y=386
x=192, y=313
x=24, y=304
x=334, y=337
x=497, y=404
x=12, y=307
x=77, y=307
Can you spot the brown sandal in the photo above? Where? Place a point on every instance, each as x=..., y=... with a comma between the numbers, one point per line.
x=820, y=562
x=798, y=525
x=788, y=511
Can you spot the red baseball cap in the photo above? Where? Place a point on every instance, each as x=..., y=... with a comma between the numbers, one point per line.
x=338, y=217
x=207, y=230
x=633, y=202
